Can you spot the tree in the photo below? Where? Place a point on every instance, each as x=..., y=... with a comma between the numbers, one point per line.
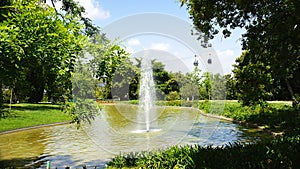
x=272, y=33
x=109, y=63
x=83, y=108
x=164, y=80
x=206, y=84
x=255, y=74
x=190, y=84
x=218, y=87
x=37, y=48
x=231, y=93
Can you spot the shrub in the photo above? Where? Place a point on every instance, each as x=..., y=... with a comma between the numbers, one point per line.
x=174, y=95
x=279, y=153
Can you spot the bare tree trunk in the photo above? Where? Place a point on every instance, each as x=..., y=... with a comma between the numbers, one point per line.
x=10, y=99
x=290, y=89
x=1, y=94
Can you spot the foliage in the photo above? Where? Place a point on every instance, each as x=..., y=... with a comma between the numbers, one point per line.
x=272, y=39
x=231, y=91
x=174, y=95
x=125, y=81
x=279, y=153
x=218, y=87
x=109, y=64
x=82, y=110
x=72, y=8
x=183, y=103
x=189, y=84
x=82, y=107
x=28, y=67
x=164, y=81
x=257, y=75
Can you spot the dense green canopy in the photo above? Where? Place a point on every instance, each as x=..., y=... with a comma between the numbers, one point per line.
x=272, y=40
x=37, y=50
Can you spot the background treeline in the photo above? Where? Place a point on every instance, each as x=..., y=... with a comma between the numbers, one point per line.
x=42, y=49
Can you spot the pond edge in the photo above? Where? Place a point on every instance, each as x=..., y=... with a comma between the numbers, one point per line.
x=35, y=127
x=243, y=123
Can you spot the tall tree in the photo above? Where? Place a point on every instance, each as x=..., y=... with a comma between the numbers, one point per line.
x=255, y=74
x=106, y=58
x=37, y=47
x=231, y=93
x=272, y=33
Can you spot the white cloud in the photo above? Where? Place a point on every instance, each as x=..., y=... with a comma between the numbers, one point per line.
x=134, y=42
x=225, y=53
x=129, y=50
x=93, y=10
x=160, y=46
x=227, y=59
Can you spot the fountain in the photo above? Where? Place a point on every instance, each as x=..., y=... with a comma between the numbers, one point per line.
x=147, y=96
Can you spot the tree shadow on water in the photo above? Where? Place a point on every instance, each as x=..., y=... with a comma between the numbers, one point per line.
x=30, y=162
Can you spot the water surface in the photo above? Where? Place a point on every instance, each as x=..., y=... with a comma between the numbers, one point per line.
x=115, y=132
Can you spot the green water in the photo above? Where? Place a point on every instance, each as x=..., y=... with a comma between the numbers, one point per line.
x=115, y=132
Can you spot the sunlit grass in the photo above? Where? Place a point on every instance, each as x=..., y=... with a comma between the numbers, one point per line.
x=27, y=115
x=277, y=116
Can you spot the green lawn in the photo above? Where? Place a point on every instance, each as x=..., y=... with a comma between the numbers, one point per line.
x=26, y=115
x=276, y=116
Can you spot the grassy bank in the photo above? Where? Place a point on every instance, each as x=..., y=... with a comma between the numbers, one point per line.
x=278, y=117
x=27, y=115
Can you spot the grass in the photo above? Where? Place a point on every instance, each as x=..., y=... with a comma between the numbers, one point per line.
x=278, y=117
x=26, y=115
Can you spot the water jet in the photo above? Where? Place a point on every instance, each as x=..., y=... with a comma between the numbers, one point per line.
x=147, y=97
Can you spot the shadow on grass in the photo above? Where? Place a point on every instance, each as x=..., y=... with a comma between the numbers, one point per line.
x=39, y=106
x=284, y=119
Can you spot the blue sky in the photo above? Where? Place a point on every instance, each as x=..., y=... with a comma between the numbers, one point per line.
x=106, y=12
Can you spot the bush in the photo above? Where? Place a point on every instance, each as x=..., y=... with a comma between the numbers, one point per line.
x=173, y=96
x=182, y=103
x=280, y=153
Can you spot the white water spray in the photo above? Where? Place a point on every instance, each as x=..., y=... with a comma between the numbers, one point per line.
x=147, y=94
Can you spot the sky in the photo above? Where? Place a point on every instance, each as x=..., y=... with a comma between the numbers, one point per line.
x=171, y=48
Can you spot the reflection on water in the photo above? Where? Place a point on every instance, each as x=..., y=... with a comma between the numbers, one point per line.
x=113, y=133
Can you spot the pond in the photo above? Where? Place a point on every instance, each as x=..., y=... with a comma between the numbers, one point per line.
x=116, y=131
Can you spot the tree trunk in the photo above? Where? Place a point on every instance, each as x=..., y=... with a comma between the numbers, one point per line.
x=290, y=89
x=1, y=94
x=38, y=85
x=11, y=97
x=37, y=94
